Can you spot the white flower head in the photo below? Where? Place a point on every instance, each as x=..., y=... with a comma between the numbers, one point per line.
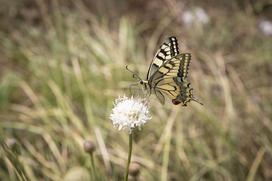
x=129, y=113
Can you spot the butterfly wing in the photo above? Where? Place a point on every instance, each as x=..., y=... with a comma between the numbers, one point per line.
x=170, y=80
x=166, y=52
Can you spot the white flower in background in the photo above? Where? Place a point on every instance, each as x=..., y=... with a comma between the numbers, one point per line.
x=266, y=27
x=129, y=113
x=196, y=16
x=187, y=17
x=202, y=16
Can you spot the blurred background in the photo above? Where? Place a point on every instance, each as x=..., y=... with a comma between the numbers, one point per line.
x=62, y=64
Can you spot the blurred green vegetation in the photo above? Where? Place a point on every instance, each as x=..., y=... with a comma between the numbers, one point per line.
x=63, y=64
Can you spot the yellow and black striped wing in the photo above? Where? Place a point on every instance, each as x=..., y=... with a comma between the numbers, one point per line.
x=177, y=68
x=166, y=52
x=170, y=80
x=178, y=92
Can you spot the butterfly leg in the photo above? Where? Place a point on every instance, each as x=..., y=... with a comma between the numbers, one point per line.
x=131, y=87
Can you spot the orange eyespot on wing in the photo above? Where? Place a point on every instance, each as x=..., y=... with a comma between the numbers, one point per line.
x=175, y=102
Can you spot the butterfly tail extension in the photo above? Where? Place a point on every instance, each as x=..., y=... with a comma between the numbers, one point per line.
x=191, y=96
x=186, y=96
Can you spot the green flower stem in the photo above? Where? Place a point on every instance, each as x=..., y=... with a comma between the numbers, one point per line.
x=129, y=156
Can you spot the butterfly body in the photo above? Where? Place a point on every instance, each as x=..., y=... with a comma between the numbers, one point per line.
x=167, y=74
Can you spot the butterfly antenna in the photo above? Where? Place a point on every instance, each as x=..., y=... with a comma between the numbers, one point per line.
x=134, y=75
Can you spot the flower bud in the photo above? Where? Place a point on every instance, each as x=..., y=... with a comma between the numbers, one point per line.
x=134, y=169
x=89, y=146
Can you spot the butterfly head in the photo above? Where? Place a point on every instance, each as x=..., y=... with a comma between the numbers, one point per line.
x=144, y=83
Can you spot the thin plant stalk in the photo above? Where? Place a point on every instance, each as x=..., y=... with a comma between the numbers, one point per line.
x=166, y=151
x=129, y=156
x=165, y=159
x=93, y=166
